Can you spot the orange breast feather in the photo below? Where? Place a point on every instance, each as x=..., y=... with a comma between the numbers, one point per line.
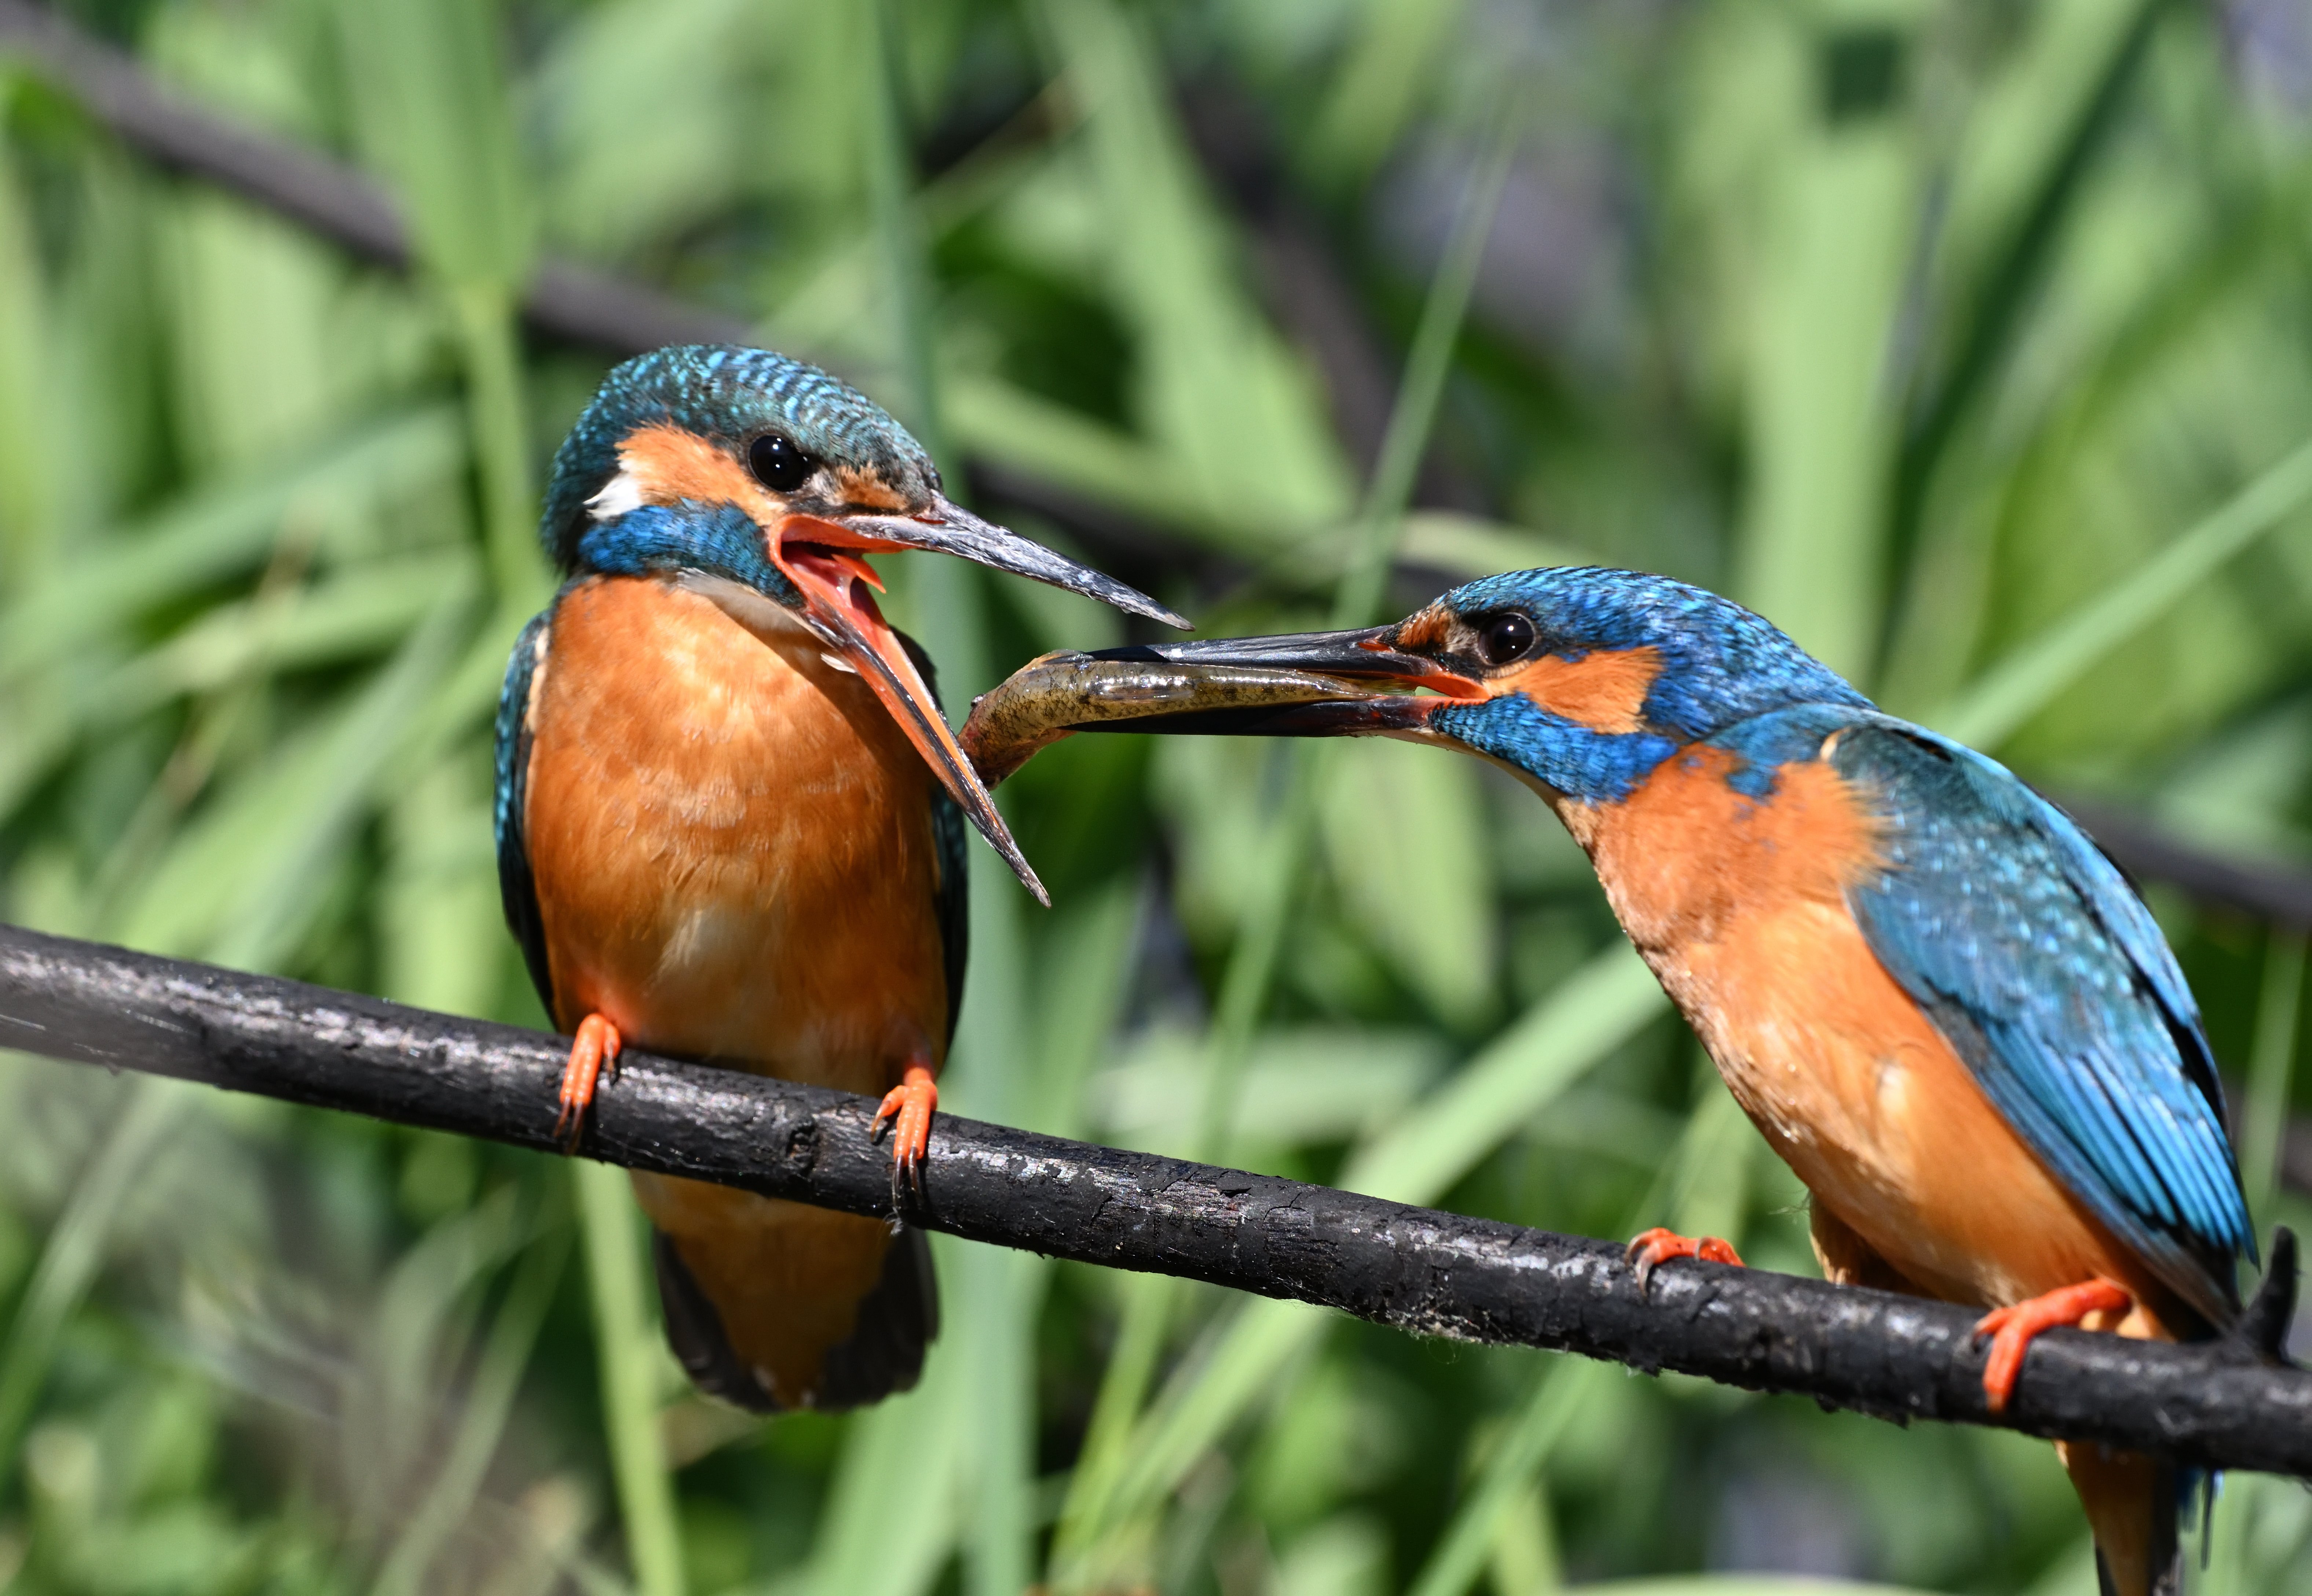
x=1740, y=907
x=732, y=841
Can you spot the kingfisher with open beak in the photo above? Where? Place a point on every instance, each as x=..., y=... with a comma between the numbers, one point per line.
x=730, y=822
x=1942, y=1005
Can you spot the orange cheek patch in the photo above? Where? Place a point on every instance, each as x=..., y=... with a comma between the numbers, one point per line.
x=1605, y=690
x=670, y=465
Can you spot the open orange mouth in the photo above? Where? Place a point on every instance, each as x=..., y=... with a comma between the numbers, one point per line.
x=839, y=589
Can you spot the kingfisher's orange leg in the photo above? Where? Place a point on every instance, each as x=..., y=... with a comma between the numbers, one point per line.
x=595, y=1048
x=2011, y=1329
x=1658, y=1246
x=912, y=1100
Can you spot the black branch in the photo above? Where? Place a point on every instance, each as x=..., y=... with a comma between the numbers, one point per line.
x=2229, y=1404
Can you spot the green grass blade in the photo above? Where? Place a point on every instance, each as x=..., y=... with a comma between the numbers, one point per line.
x=1001, y=422
x=626, y=1352
x=1460, y=1555
x=429, y=90
x=482, y=1422
x=892, y=1514
x=1398, y=48
x=74, y=1251
x=1596, y=1010
x=433, y=113
x=2003, y=292
x=2027, y=681
x=1213, y=383
x=1691, y=1187
x=217, y=532
x=1820, y=418
x=280, y=886
x=1413, y=418
x=1740, y=1585
x=28, y=456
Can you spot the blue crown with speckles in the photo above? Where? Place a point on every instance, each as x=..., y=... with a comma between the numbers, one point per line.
x=1720, y=662
x=729, y=392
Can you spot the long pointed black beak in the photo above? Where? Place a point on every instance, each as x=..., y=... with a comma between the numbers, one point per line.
x=1304, y=684
x=949, y=528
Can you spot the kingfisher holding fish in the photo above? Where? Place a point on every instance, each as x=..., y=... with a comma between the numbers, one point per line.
x=1943, y=1006
x=731, y=821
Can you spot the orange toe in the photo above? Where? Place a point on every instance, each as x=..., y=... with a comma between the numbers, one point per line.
x=1659, y=1246
x=595, y=1048
x=912, y=1102
x=2011, y=1329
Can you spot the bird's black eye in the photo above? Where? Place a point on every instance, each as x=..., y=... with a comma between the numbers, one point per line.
x=1505, y=637
x=777, y=464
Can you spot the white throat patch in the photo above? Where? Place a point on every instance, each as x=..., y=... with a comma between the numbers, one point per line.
x=619, y=495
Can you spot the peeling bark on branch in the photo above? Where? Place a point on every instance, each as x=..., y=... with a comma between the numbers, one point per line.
x=1431, y=1273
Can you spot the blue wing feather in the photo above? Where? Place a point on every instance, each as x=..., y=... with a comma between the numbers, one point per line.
x=950, y=845
x=2051, y=979
x=517, y=887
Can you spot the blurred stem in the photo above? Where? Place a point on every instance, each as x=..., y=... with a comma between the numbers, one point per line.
x=483, y=1419
x=498, y=417
x=2272, y=1068
x=624, y=1346
x=1149, y=1305
x=73, y=1254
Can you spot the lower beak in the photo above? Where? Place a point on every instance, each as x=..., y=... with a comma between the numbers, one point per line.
x=1306, y=684
x=821, y=556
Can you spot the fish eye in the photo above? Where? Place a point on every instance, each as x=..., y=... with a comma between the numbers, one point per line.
x=777, y=464
x=1506, y=636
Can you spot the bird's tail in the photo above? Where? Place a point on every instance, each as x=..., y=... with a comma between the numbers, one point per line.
x=2134, y=1503
x=773, y=1305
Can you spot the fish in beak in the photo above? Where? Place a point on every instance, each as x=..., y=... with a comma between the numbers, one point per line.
x=1301, y=684
x=823, y=556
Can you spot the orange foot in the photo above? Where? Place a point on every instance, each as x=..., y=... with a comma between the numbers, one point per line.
x=1658, y=1246
x=913, y=1100
x=2010, y=1330
x=596, y=1047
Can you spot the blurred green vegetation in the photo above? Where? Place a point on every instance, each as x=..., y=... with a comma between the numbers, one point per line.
x=1969, y=339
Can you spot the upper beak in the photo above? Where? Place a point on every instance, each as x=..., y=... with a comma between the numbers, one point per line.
x=821, y=557
x=1302, y=684
x=948, y=528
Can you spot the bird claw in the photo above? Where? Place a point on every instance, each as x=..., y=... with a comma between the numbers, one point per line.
x=1651, y=1249
x=593, y=1055
x=2012, y=1330
x=908, y=1105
